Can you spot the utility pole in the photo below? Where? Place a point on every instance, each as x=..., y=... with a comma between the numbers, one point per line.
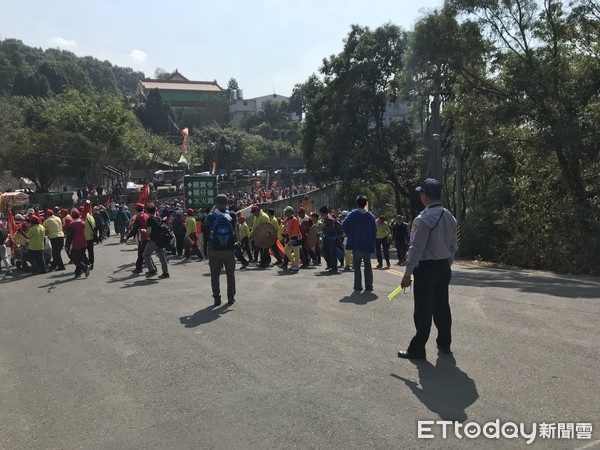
x=436, y=144
x=458, y=193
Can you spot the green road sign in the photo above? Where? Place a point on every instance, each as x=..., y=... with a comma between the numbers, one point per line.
x=199, y=191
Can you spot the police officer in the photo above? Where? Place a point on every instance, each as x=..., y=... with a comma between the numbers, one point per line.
x=429, y=257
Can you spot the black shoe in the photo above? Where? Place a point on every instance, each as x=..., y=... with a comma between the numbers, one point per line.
x=87, y=271
x=445, y=350
x=58, y=269
x=217, y=301
x=358, y=289
x=164, y=275
x=407, y=355
x=137, y=271
x=91, y=267
x=151, y=273
x=231, y=301
x=369, y=288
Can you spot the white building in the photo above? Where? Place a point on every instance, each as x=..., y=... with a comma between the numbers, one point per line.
x=396, y=110
x=240, y=106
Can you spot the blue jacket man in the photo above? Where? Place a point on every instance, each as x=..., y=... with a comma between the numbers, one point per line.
x=361, y=230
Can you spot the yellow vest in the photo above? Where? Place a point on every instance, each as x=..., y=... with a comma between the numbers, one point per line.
x=35, y=236
x=90, y=226
x=244, y=230
x=53, y=226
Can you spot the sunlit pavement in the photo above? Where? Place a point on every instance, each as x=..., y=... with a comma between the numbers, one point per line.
x=301, y=360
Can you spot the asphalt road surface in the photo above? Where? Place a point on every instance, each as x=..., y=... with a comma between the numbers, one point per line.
x=300, y=361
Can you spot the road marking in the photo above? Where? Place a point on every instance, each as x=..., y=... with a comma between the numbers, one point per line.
x=392, y=271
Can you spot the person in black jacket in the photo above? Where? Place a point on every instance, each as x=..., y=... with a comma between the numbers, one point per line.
x=179, y=231
x=153, y=229
x=401, y=237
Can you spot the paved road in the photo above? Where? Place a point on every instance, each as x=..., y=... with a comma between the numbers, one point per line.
x=118, y=361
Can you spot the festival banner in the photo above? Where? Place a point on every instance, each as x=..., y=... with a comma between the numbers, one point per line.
x=12, y=225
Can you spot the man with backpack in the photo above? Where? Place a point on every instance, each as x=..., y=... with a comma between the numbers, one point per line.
x=157, y=241
x=221, y=240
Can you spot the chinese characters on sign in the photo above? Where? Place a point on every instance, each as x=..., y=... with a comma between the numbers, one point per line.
x=199, y=191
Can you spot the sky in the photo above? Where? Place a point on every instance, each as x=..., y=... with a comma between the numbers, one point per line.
x=268, y=46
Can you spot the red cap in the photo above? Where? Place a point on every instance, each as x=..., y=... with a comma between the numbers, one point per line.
x=139, y=206
x=241, y=218
x=49, y=212
x=34, y=218
x=254, y=208
x=190, y=212
x=75, y=214
x=301, y=210
x=64, y=211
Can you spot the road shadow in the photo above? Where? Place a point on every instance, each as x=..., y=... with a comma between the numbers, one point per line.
x=127, y=278
x=360, y=298
x=552, y=285
x=204, y=316
x=285, y=273
x=327, y=273
x=55, y=284
x=15, y=275
x=138, y=283
x=444, y=389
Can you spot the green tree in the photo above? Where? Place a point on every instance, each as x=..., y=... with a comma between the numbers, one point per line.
x=63, y=75
x=519, y=96
x=34, y=84
x=75, y=134
x=345, y=136
x=154, y=113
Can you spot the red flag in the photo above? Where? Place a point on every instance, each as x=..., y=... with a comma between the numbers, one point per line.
x=12, y=225
x=143, y=199
x=107, y=202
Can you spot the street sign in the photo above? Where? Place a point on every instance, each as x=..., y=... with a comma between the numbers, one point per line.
x=199, y=191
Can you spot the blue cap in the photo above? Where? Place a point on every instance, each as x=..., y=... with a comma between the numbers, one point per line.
x=432, y=187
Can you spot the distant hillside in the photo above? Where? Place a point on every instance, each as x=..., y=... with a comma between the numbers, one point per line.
x=32, y=71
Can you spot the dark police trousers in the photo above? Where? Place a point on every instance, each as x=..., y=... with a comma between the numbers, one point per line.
x=431, y=300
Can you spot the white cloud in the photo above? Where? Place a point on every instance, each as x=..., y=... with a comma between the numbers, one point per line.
x=62, y=43
x=139, y=56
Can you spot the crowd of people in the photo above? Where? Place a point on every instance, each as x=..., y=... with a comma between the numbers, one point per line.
x=261, y=194
x=303, y=238
x=39, y=237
